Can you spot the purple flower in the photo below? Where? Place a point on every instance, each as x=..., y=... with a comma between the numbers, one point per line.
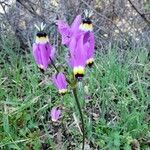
x=55, y=114
x=77, y=56
x=60, y=82
x=67, y=31
x=42, y=50
x=79, y=38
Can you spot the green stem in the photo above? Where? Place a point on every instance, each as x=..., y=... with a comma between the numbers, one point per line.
x=81, y=115
x=54, y=65
x=78, y=104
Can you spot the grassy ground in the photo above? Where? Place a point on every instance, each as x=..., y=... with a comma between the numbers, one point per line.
x=114, y=94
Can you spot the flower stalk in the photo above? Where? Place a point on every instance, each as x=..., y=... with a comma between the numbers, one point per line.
x=53, y=64
x=74, y=89
x=79, y=39
x=81, y=115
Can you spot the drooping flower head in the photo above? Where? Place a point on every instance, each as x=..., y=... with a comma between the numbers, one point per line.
x=78, y=56
x=78, y=27
x=43, y=52
x=60, y=82
x=55, y=114
x=86, y=24
x=79, y=32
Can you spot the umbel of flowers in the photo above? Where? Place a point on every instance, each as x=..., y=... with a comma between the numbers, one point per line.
x=80, y=33
x=79, y=39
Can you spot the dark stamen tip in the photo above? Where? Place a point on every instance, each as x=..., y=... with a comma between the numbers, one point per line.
x=42, y=70
x=79, y=76
x=41, y=34
x=87, y=20
x=90, y=64
x=62, y=94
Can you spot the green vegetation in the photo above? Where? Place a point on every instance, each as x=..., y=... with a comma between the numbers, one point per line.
x=115, y=102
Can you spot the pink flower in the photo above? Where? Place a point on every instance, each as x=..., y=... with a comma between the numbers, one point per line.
x=42, y=50
x=55, y=114
x=60, y=82
x=77, y=56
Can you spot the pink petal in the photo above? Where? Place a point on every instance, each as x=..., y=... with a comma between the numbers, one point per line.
x=55, y=114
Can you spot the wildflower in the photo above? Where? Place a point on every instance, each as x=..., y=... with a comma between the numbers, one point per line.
x=60, y=82
x=79, y=26
x=78, y=56
x=43, y=52
x=55, y=114
x=79, y=38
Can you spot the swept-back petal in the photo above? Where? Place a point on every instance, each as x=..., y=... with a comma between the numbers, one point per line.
x=64, y=30
x=50, y=50
x=90, y=45
x=86, y=37
x=72, y=45
x=75, y=25
x=36, y=54
x=44, y=52
x=78, y=54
